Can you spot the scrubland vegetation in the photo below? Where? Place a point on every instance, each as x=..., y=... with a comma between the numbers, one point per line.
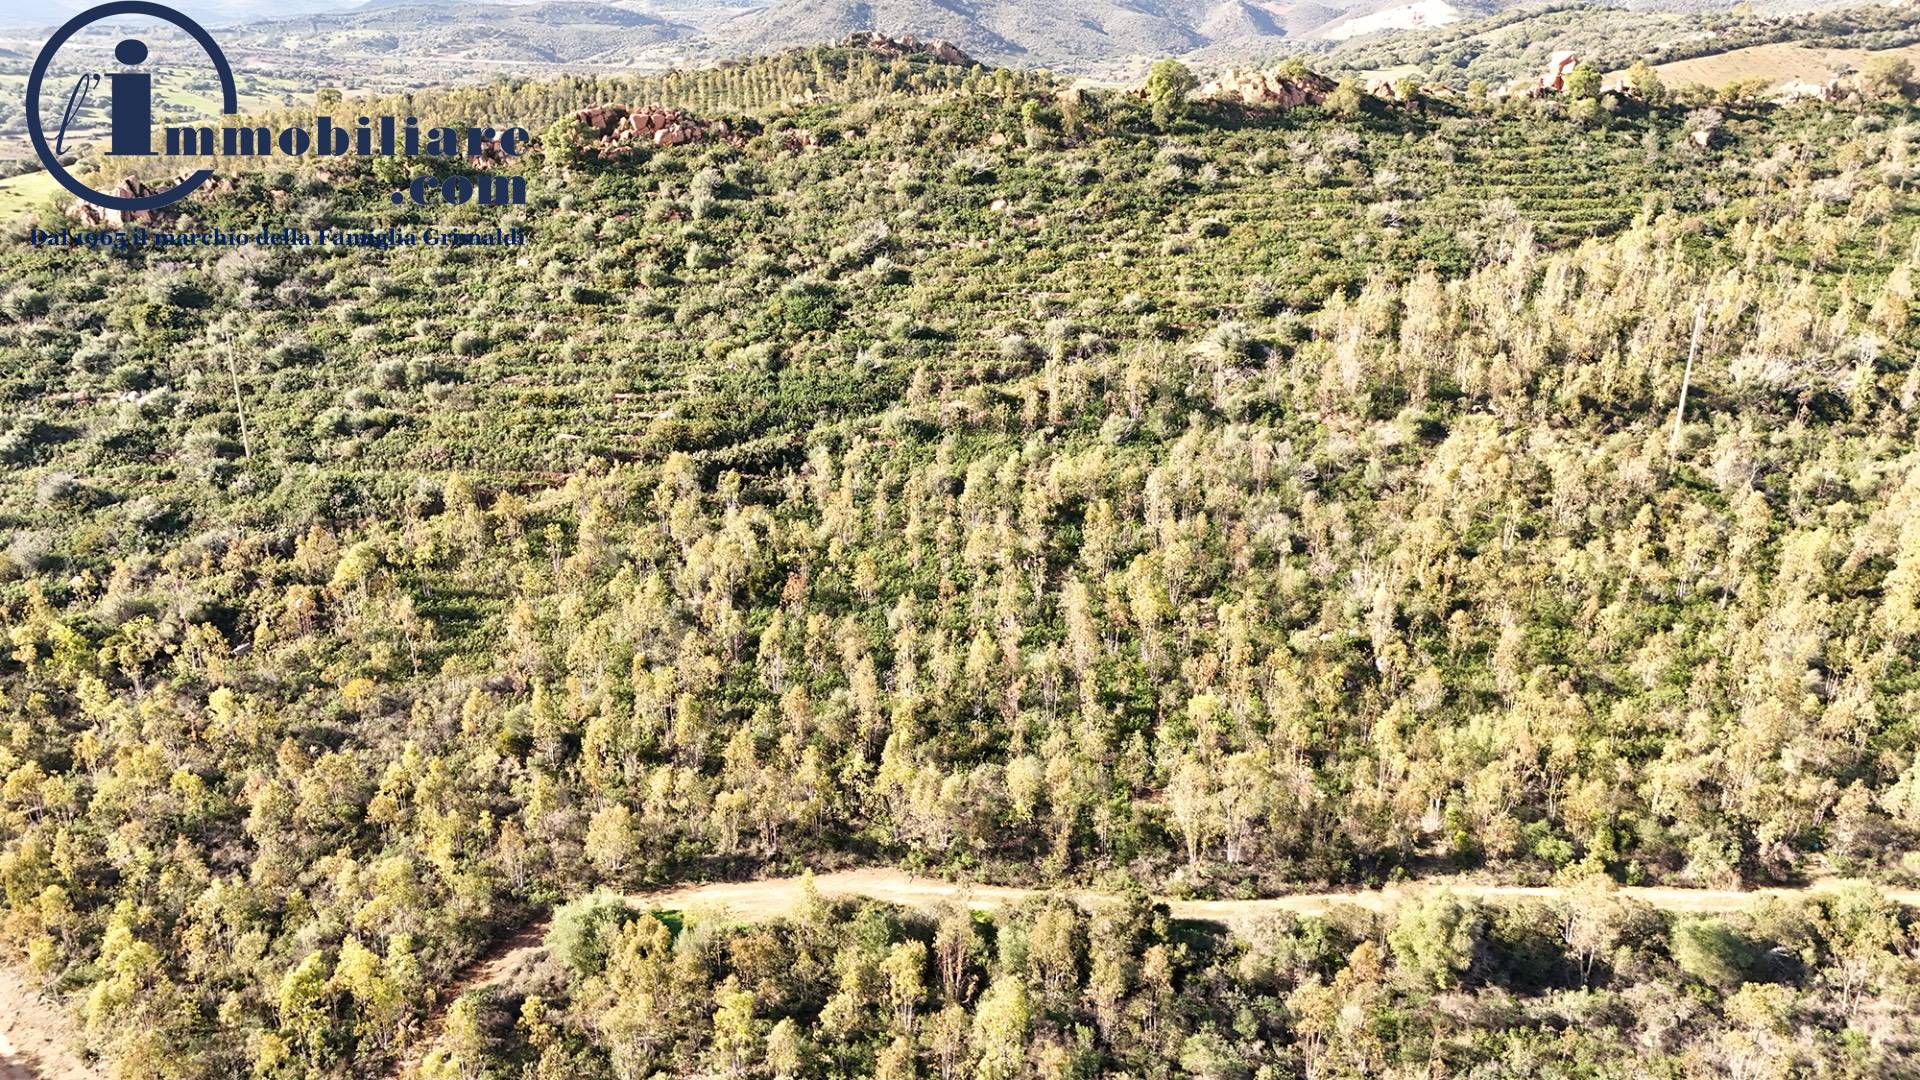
x=1596, y=985
x=1044, y=487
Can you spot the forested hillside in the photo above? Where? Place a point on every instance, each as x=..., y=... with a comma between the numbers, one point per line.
x=1044, y=486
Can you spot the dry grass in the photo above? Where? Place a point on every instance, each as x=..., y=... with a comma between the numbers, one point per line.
x=20, y=194
x=1776, y=63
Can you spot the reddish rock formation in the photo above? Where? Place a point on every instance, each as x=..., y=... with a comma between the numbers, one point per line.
x=489, y=157
x=130, y=188
x=133, y=187
x=601, y=119
x=946, y=52
x=619, y=131
x=1275, y=89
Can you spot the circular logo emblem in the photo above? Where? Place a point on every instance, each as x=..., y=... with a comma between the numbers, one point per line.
x=128, y=52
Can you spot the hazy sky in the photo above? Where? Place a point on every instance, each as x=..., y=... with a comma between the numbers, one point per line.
x=18, y=13
x=49, y=13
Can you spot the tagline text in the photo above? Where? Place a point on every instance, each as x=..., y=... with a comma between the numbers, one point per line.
x=382, y=239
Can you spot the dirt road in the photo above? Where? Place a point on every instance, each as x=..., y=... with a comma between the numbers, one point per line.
x=768, y=898
x=36, y=1036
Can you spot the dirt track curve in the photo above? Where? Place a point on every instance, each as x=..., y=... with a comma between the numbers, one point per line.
x=767, y=898
x=37, y=1036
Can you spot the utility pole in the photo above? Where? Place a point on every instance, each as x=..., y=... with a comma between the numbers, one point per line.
x=1686, y=379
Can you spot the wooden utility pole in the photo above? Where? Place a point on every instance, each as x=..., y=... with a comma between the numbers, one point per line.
x=1686, y=379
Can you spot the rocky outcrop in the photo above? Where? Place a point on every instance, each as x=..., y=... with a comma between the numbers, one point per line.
x=133, y=187
x=601, y=119
x=1834, y=89
x=797, y=141
x=130, y=188
x=619, y=131
x=1274, y=89
x=491, y=156
x=891, y=48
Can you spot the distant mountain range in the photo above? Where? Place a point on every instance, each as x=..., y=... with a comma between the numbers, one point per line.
x=1041, y=32
x=227, y=13
x=557, y=32
x=207, y=12
x=1029, y=32
x=1073, y=36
